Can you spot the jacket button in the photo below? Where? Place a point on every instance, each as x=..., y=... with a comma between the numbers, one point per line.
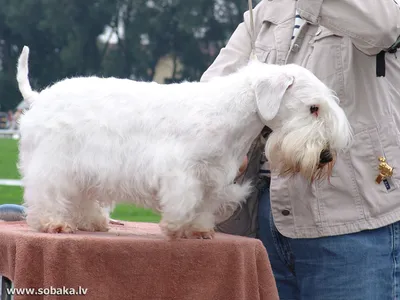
x=296, y=48
x=285, y=212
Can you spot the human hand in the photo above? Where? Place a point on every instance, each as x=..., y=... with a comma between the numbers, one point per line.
x=243, y=166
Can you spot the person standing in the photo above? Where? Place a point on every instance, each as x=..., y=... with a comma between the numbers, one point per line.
x=337, y=239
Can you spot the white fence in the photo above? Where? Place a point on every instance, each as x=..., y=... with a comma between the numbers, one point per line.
x=10, y=182
x=9, y=134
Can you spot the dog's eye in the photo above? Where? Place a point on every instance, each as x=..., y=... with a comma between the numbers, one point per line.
x=314, y=109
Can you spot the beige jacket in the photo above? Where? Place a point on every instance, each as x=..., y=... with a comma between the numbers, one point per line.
x=339, y=47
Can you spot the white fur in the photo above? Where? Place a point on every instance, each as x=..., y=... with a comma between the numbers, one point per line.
x=91, y=142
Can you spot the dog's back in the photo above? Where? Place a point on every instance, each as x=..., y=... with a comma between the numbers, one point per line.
x=86, y=122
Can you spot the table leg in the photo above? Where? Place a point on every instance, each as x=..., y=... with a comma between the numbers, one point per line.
x=5, y=284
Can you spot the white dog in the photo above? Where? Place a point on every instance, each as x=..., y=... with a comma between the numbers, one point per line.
x=89, y=142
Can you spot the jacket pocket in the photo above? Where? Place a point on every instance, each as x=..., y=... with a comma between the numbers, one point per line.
x=352, y=193
x=379, y=141
x=338, y=199
x=327, y=50
x=389, y=141
x=382, y=198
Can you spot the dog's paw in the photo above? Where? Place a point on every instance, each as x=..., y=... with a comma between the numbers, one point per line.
x=205, y=235
x=61, y=227
x=93, y=228
x=99, y=226
x=170, y=231
x=173, y=231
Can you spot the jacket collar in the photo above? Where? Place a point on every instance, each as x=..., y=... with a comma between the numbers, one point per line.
x=279, y=11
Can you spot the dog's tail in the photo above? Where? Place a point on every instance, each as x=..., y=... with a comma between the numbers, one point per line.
x=22, y=77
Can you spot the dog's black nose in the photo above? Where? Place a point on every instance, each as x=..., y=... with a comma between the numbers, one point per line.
x=325, y=156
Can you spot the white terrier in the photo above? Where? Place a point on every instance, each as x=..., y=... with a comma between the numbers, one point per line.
x=89, y=142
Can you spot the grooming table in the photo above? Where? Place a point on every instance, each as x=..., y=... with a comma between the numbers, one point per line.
x=133, y=261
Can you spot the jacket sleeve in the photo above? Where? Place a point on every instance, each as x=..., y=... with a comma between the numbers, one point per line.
x=373, y=25
x=237, y=51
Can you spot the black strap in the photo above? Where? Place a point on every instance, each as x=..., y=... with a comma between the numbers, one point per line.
x=380, y=58
x=380, y=64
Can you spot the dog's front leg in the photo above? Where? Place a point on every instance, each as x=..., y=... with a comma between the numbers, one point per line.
x=180, y=196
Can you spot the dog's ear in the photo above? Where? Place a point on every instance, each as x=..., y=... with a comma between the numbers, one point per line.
x=269, y=94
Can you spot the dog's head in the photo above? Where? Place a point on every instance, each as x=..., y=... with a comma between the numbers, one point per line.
x=309, y=127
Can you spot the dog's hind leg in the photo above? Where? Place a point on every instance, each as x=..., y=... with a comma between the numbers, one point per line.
x=180, y=195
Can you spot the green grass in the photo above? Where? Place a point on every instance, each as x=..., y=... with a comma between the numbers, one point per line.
x=8, y=159
x=11, y=194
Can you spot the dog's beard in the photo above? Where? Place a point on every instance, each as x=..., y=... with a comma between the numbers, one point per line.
x=311, y=172
x=288, y=158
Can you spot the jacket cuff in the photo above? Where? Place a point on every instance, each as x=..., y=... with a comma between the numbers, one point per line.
x=310, y=10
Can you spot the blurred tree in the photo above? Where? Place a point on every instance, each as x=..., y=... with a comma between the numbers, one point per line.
x=17, y=25
x=75, y=26
x=63, y=36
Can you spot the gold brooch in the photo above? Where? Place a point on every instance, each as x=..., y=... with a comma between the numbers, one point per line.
x=385, y=171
